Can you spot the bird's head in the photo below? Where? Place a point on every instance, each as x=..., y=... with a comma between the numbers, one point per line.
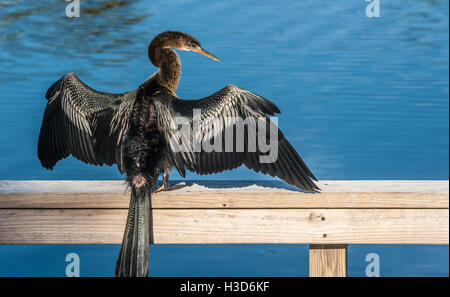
x=181, y=41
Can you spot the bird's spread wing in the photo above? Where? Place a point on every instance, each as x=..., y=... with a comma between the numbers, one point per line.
x=214, y=121
x=84, y=123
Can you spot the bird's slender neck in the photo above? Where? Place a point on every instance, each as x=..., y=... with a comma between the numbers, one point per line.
x=168, y=62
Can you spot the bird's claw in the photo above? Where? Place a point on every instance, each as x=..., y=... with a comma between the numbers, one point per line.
x=160, y=189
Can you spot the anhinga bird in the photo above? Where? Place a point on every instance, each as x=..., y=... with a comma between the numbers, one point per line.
x=134, y=131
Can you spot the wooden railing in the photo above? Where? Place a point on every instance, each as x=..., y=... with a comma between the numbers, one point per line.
x=345, y=212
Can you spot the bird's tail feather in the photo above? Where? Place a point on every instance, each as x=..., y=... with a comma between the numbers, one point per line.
x=134, y=253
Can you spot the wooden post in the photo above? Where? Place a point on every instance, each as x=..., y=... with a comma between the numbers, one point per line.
x=328, y=260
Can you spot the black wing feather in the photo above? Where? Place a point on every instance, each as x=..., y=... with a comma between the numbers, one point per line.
x=84, y=123
x=225, y=106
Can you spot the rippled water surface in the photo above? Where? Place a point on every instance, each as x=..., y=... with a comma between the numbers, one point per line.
x=361, y=98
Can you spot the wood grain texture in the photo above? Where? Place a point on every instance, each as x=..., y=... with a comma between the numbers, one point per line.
x=328, y=260
x=337, y=186
x=229, y=200
x=201, y=226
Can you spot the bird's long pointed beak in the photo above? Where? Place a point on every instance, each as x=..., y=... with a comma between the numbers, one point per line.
x=207, y=54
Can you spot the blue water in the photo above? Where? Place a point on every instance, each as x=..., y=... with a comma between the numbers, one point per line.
x=361, y=98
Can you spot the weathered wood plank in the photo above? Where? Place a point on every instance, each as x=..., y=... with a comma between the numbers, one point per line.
x=96, y=186
x=228, y=200
x=328, y=260
x=305, y=226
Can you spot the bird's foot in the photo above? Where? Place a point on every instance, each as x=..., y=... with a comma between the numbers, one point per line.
x=168, y=188
x=160, y=189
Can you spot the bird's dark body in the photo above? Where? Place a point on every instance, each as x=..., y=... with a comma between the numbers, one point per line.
x=143, y=160
x=144, y=145
x=133, y=130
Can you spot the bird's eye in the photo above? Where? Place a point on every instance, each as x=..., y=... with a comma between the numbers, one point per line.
x=191, y=47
